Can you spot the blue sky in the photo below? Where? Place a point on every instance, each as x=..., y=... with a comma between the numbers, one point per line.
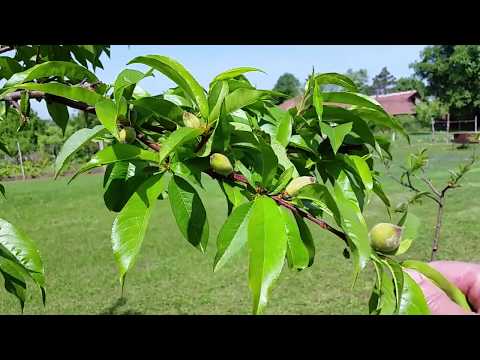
x=205, y=61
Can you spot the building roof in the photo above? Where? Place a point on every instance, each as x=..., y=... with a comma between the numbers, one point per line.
x=399, y=103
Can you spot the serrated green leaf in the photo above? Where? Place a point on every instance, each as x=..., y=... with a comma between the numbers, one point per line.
x=73, y=143
x=233, y=235
x=215, y=99
x=177, y=138
x=363, y=170
x=106, y=111
x=283, y=181
x=178, y=74
x=336, y=134
x=241, y=98
x=355, y=227
x=336, y=79
x=131, y=224
x=75, y=93
x=21, y=248
x=114, y=153
x=127, y=79
x=67, y=69
x=59, y=114
x=267, y=243
x=300, y=249
x=189, y=212
x=413, y=300
x=232, y=73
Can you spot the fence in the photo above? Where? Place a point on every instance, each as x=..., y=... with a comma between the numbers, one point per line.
x=454, y=127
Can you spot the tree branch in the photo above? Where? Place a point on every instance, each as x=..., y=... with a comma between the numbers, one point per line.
x=40, y=95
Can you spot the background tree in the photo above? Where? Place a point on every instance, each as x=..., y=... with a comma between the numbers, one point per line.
x=289, y=85
x=410, y=83
x=382, y=83
x=360, y=78
x=452, y=73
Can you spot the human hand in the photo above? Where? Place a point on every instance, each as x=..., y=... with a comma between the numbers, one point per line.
x=466, y=276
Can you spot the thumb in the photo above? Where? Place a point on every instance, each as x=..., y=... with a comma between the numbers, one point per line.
x=438, y=302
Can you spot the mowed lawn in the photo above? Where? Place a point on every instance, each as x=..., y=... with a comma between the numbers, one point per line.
x=72, y=229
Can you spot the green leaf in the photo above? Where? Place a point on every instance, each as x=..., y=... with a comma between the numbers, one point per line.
x=232, y=73
x=8, y=67
x=300, y=248
x=351, y=98
x=178, y=74
x=413, y=301
x=318, y=102
x=283, y=181
x=336, y=79
x=233, y=235
x=21, y=248
x=355, y=227
x=75, y=93
x=177, y=138
x=233, y=194
x=189, y=212
x=160, y=108
x=67, y=69
x=59, y=114
x=114, y=153
x=2, y=190
x=380, y=117
x=131, y=224
x=267, y=244
x=73, y=143
x=410, y=228
x=189, y=173
x=336, y=134
x=240, y=98
x=14, y=281
x=363, y=170
x=306, y=237
x=127, y=78
x=284, y=129
x=319, y=195
x=266, y=164
x=398, y=278
x=377, y=189
x=215, y=100
x=107, y=114
x=282, y=157
x=121, y=179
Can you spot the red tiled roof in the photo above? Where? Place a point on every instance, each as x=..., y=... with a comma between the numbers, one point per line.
x=395, y=104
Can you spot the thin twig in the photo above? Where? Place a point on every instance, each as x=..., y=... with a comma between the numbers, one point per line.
x=431, y=186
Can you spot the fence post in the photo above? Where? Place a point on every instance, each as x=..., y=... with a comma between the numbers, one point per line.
x=448, y=127
x=475, y=123
x=433, y=130
x=21, y=160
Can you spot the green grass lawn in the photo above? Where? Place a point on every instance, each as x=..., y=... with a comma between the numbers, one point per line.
x=72, y=228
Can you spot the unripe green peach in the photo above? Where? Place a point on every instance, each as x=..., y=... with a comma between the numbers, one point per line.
x=127, y=135
x=385, y=237
x=191, y=120
x=221, y=164
x=296, y=184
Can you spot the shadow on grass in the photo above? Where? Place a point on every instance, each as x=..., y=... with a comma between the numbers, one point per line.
x=114, y=309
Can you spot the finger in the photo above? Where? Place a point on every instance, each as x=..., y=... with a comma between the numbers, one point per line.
x=466, y=276
x=438, y=302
